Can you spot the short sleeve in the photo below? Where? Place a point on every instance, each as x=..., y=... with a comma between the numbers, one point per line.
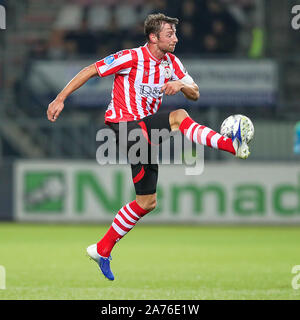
x=120, y=62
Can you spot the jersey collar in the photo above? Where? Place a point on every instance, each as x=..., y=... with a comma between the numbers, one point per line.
x=152, y=56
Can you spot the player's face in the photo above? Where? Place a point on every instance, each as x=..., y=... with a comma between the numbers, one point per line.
x=167, y=39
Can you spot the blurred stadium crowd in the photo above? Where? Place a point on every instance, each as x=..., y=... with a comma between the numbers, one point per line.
x=67, y=33
x=100, y=27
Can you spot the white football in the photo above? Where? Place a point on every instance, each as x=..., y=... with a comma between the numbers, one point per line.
x=231, y=124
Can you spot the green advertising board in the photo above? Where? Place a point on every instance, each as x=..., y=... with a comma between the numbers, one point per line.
x=224, y=192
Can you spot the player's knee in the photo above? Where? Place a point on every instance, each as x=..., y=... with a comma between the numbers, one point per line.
x=147, y=202
x=176, y=117
x=150, y=205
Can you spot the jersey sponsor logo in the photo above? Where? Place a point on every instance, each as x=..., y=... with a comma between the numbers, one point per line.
x=147, y=91
x=109, y=60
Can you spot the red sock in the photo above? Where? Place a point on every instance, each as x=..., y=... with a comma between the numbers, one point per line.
x=205, y=136
x=123, y=222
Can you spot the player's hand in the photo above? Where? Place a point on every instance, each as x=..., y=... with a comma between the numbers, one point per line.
x=54, y=109
x=172, y=87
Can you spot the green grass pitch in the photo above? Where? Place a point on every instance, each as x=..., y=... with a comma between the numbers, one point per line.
x=150, y=262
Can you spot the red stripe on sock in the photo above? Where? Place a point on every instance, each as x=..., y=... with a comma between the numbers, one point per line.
x=192, y=132
x=208, y=138
x=137, y=209
x=119, y=224
x=105, y=245
x=130, y=214
x=185, y=124
x=125, y=219
x=223, y=144
x=199, y=133
x=226, y=145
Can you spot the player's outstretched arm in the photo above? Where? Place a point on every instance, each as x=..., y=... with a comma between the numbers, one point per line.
x=57, y=105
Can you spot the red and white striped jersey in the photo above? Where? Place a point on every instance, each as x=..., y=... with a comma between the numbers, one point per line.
x=139, y=77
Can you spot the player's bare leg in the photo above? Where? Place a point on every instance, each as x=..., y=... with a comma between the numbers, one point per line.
x=176, y=117
x=147, y=202
x=237, y=145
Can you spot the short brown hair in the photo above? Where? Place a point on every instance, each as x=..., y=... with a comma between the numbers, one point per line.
x=153, y=23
